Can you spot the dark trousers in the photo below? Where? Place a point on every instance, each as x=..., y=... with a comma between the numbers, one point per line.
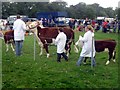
x=61, y=54
x=104, y=29
x=118, y=29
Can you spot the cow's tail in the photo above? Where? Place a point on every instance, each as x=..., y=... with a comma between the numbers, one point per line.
x=114, y=52
x=72, y=40
x=4, y=37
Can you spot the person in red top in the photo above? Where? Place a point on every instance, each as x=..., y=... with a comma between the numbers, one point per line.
x=105, y=23
x=93, y=23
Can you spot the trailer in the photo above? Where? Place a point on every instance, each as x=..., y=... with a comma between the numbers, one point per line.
x=57, y=17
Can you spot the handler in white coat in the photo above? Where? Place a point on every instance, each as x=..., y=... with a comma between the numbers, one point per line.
x=60, y=41
x=88, y=48
x=19, y=28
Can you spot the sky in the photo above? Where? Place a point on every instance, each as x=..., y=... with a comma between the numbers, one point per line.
x=103, y=3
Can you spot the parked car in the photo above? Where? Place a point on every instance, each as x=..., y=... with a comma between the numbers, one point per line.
x=12, y=18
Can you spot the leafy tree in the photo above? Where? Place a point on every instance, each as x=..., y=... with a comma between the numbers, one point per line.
x=80, y=10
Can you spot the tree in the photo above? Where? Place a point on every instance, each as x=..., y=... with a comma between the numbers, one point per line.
x=80, y=10
x=110, y=12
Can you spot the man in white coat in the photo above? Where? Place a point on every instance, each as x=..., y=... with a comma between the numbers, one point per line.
x=19, y=28
x=60, y=41
x=88, y=48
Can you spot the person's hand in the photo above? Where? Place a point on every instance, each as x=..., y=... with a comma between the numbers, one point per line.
x=92, y=34
x=79, y=42
x=80, y=37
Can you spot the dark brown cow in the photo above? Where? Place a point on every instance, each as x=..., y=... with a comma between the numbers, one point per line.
x=102, y=45
x=110, y=44
x=9, y=39
x=46, y=36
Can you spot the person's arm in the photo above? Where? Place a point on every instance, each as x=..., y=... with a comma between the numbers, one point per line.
x=57, y=39
x=84, y=38
x=14, y=26
x=24, y=26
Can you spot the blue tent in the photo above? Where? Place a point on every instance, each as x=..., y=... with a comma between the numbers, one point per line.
x=50, y=15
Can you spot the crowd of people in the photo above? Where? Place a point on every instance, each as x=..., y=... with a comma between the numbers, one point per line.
x=104, y=25
x=78, y=24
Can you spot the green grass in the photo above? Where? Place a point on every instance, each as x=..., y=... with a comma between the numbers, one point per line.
x=24, y=72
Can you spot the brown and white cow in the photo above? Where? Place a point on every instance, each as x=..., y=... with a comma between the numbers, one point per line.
x=46, y=35
x=102, y=45
x=9, y=39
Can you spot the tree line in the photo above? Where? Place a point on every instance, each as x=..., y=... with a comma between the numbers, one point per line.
x=80, y=10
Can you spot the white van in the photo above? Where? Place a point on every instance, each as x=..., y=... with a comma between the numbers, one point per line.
x=12, y=18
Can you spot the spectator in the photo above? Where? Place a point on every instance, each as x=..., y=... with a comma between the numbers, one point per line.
x=75, y=24
x=93, y=22
x=19, y=32
x=105, y=23
x=108, y=26
x=71, y=23
x=119, y=26
x=114, y=26
x=88, y=48
x=87, y=22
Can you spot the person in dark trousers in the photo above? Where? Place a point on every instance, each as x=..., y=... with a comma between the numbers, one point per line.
x=60, y=41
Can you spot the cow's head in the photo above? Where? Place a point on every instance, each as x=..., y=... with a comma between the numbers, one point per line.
x=34, y=24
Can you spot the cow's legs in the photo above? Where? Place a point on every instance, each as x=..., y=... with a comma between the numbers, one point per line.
x=12, y=47
x=41, y=47
x=39, y=43
x=68, y=53
x=7, y=47
x=67, y=48
x=110, y=56
x=114, y=54
x=46, y=48
x=41, y=51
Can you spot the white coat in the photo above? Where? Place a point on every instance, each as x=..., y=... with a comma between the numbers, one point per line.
x=19, y=28
x=87, y=45
x=60, y=41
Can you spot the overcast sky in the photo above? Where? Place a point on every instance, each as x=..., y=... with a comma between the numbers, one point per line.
x=103, y=3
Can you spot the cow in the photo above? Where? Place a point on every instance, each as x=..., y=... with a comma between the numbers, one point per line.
x=103, y=45
x=46, y=36
x=9, y=39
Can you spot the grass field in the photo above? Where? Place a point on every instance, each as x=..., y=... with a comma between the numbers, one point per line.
x=24, y=72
